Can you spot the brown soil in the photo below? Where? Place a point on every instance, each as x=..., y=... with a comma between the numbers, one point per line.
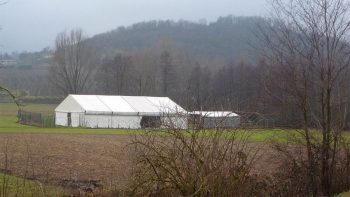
x=57, y=159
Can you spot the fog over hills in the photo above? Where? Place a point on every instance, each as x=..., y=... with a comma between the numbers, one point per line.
x=230, y=37
x=31, y=25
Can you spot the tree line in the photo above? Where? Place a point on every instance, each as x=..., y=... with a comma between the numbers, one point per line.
x=160, y=71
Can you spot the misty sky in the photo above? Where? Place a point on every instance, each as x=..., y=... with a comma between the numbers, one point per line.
x=33, y=24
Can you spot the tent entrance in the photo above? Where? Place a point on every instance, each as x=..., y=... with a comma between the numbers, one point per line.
x=69, y=119
x=150, y=122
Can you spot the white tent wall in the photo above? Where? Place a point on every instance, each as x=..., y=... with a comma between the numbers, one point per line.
x=111, y=121
x=96, y=121
x=75, y=118
x=68, y=106
x=61, y=119
x=127, y=122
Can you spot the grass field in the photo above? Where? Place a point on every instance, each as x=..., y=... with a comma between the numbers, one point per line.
x=10, y=109
x=8, y=124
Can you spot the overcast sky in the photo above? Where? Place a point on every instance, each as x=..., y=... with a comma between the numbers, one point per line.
x=30, y=25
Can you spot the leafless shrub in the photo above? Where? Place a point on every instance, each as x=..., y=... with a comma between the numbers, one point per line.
x=194, y=162
x=295, y=176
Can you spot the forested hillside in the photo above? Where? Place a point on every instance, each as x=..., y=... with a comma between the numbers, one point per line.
x=229, y=37
x=228, y=40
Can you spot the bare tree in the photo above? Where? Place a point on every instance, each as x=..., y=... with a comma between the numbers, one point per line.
x=198, y=88
x=307, y=45
x=116, y=75
x=167, y=72
x=146, y=71
x=73, y=60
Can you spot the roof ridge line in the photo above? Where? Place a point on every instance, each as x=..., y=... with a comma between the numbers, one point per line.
x=158, y=106
x=98, y=97
x=129, y=104
x=150, y=100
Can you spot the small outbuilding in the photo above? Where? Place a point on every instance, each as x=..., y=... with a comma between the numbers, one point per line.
x=132, y=112
x=215, y=119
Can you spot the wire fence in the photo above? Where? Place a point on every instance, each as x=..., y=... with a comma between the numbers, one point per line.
x=36, y=119
x=48, y=121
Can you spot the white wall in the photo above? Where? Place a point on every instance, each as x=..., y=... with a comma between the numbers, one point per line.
x=115, y=121
x=96, y=121
x=127, y=122
x=75, y=119
x=61, y=119
x=111, y=121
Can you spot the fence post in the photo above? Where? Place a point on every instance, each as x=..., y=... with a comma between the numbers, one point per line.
x=19, y=115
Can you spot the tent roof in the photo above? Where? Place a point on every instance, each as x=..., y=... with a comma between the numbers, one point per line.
x=99, y=104
x=215, y=113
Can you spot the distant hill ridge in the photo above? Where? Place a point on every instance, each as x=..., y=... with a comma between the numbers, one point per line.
x=229, y=37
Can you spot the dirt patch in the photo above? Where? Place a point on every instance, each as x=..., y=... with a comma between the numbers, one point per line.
x=82, y=160
x=56, y=158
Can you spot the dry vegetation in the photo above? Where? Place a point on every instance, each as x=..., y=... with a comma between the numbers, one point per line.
x=79, y=161
x=188, y=164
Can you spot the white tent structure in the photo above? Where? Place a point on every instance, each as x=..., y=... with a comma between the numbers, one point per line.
x=214, y=119
x=97, y=111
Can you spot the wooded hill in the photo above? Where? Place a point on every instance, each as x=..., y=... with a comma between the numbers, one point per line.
x=229, y=37
x=190, y=44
